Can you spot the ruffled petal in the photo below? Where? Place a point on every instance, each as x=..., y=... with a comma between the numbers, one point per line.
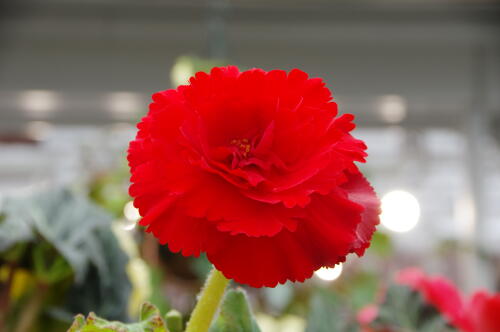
x=187, y=235
x=359, y=191
x=323, y=239
x=265, y=261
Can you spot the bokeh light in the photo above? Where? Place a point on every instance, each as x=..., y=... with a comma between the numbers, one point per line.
x=329, y=274
x=400, y=211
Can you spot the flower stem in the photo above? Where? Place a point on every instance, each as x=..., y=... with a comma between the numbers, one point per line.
x=31, y=311
x=208, y=302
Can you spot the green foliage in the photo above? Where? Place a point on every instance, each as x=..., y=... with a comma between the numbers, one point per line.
x=49, y=268
x=60, y=218
x=64, y=242
x=381, y=245
x=109, y=190
x=360, y=289
x=150, y=321
x=235, y=314
x=157, y=298
x=188, y=65
x=104, y=290
x=327, y=313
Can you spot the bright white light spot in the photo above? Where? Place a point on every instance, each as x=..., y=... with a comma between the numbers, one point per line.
x=124, y=104
x=400, y=211
x=392, y=108
x=39, y=102
x=130, y=212
x=329, y=274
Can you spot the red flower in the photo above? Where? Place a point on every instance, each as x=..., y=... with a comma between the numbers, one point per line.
x=438, y=292
x=479, y=314
x=483, y=312
x=256, y=170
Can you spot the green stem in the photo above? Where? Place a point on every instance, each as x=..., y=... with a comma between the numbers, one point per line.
x=208, y=302
x=5, y=296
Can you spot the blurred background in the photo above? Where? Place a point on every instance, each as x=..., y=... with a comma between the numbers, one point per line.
x=421, y=77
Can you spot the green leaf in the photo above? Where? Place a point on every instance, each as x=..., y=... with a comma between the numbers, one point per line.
x=108, y=294
x=56, y=234
x=66, y=221
x=151, y=321
x=235, y=314
x=49, y=267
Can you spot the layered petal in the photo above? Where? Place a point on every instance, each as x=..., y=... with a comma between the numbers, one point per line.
x=224, y=206
x=323, y=238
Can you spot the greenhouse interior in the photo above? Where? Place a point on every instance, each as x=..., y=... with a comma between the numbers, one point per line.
x=331, y=166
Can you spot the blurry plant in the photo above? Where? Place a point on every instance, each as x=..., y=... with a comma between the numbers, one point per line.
x=58, y=256
x=381, y=245
x=155, y=283
x=477, y=313
x=201, y=266
x=406, y=311
x=109, y=190
x=359, y=289
x=279, y=297
x=329, y=313
x=187, y=65
x=396, y=309
x=433, y=304
x=149, y=320
x=142, y=277
x=234, y=316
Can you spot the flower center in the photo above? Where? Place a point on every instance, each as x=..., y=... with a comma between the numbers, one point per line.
x=243, y=145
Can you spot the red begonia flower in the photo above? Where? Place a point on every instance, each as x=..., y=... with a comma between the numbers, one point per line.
x=255, y=169
x=477, y=314
x=483, y=312
x=437, y=291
